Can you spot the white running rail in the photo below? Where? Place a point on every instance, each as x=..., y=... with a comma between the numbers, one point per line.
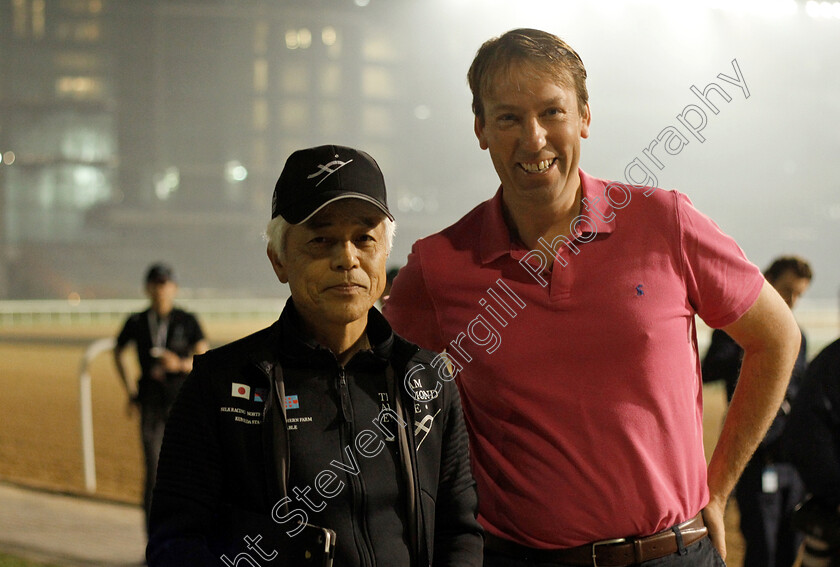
x=96, y=348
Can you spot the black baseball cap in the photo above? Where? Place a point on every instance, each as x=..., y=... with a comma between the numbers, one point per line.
x=315, y=177
x=159, y=273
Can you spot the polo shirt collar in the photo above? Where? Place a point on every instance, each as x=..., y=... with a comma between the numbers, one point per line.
x=600, y=208
x=496, y=240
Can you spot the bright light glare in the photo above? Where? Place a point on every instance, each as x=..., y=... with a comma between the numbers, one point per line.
x=235, y=171
x=304, y=38
x=298, y=39
x=328, y=35
x=756, y=7
x=167, y=182
x=822, y=9
x=8, y=158
x=616, y=7
x=362, y=3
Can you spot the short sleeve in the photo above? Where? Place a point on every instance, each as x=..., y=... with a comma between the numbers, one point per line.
x=129, y=331
x=197, y=333
x=721, y=283
x=410, y=309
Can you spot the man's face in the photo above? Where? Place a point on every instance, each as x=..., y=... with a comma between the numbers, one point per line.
x=532, y=127
x=791, y=287
x=335, y=262
x=162, y=293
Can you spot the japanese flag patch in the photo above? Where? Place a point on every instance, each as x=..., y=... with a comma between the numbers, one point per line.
x=240, y=391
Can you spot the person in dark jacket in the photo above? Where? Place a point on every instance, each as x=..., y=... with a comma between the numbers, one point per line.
x=166, y=338
x=326, y=418
x=812, y=440
x=769, y=487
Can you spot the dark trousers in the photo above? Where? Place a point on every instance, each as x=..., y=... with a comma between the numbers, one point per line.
x=765, y=516
x=699, y=554
x=152, y=424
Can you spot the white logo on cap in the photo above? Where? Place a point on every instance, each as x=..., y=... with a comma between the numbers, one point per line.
x=327, y=169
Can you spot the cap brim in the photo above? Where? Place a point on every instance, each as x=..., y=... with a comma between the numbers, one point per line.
x=360, y=196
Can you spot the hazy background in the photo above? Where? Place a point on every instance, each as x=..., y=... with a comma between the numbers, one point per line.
x=140, y=130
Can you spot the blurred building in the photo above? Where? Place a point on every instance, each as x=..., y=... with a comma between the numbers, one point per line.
x=137, y=130
x=133, y=131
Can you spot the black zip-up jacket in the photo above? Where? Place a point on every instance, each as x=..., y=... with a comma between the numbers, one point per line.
x=812, y=437
x=224, y=467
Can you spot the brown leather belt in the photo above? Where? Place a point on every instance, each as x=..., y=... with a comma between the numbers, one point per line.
x=618, y=552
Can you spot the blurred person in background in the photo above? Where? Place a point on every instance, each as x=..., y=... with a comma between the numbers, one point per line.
x=166, y=338
x=812, y=441
x=313, y=424
x=566, y=304
x=769, y=487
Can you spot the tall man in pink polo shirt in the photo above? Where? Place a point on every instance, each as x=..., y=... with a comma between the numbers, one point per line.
x=566, y=307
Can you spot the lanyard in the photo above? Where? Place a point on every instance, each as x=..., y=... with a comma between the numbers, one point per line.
x=158, y=329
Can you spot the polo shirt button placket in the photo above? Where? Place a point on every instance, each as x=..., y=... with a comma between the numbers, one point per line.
x=560, y=286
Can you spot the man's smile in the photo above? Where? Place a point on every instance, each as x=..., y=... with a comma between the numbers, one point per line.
x=537, y=167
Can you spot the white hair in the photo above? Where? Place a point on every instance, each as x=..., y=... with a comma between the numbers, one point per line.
x=275, y=235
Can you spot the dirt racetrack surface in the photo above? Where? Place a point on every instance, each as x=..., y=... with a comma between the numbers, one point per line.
x=40, y=431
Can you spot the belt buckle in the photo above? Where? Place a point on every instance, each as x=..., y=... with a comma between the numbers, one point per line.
x=605, y=542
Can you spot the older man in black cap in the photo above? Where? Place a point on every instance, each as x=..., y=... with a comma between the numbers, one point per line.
x=324, y=437
x=166, y=339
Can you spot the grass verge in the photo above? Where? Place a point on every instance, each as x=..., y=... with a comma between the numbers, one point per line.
x=10, y=561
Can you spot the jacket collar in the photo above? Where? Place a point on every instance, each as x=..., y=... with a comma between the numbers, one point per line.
x=287, y=343
x=496, y=240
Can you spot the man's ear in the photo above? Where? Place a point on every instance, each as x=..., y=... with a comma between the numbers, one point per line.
x=586, y=121
x=478, y=126
x=279, y=268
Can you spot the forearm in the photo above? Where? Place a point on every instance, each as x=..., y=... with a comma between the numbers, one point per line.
x=770, y=338
x=173, y=362
x=761, y=388
x=183, y=365
x=118, y=363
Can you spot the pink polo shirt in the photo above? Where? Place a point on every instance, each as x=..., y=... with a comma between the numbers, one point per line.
x=580, y=384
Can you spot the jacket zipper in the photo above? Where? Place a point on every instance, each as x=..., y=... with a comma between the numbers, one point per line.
x=361, y=534
x=280, y=477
